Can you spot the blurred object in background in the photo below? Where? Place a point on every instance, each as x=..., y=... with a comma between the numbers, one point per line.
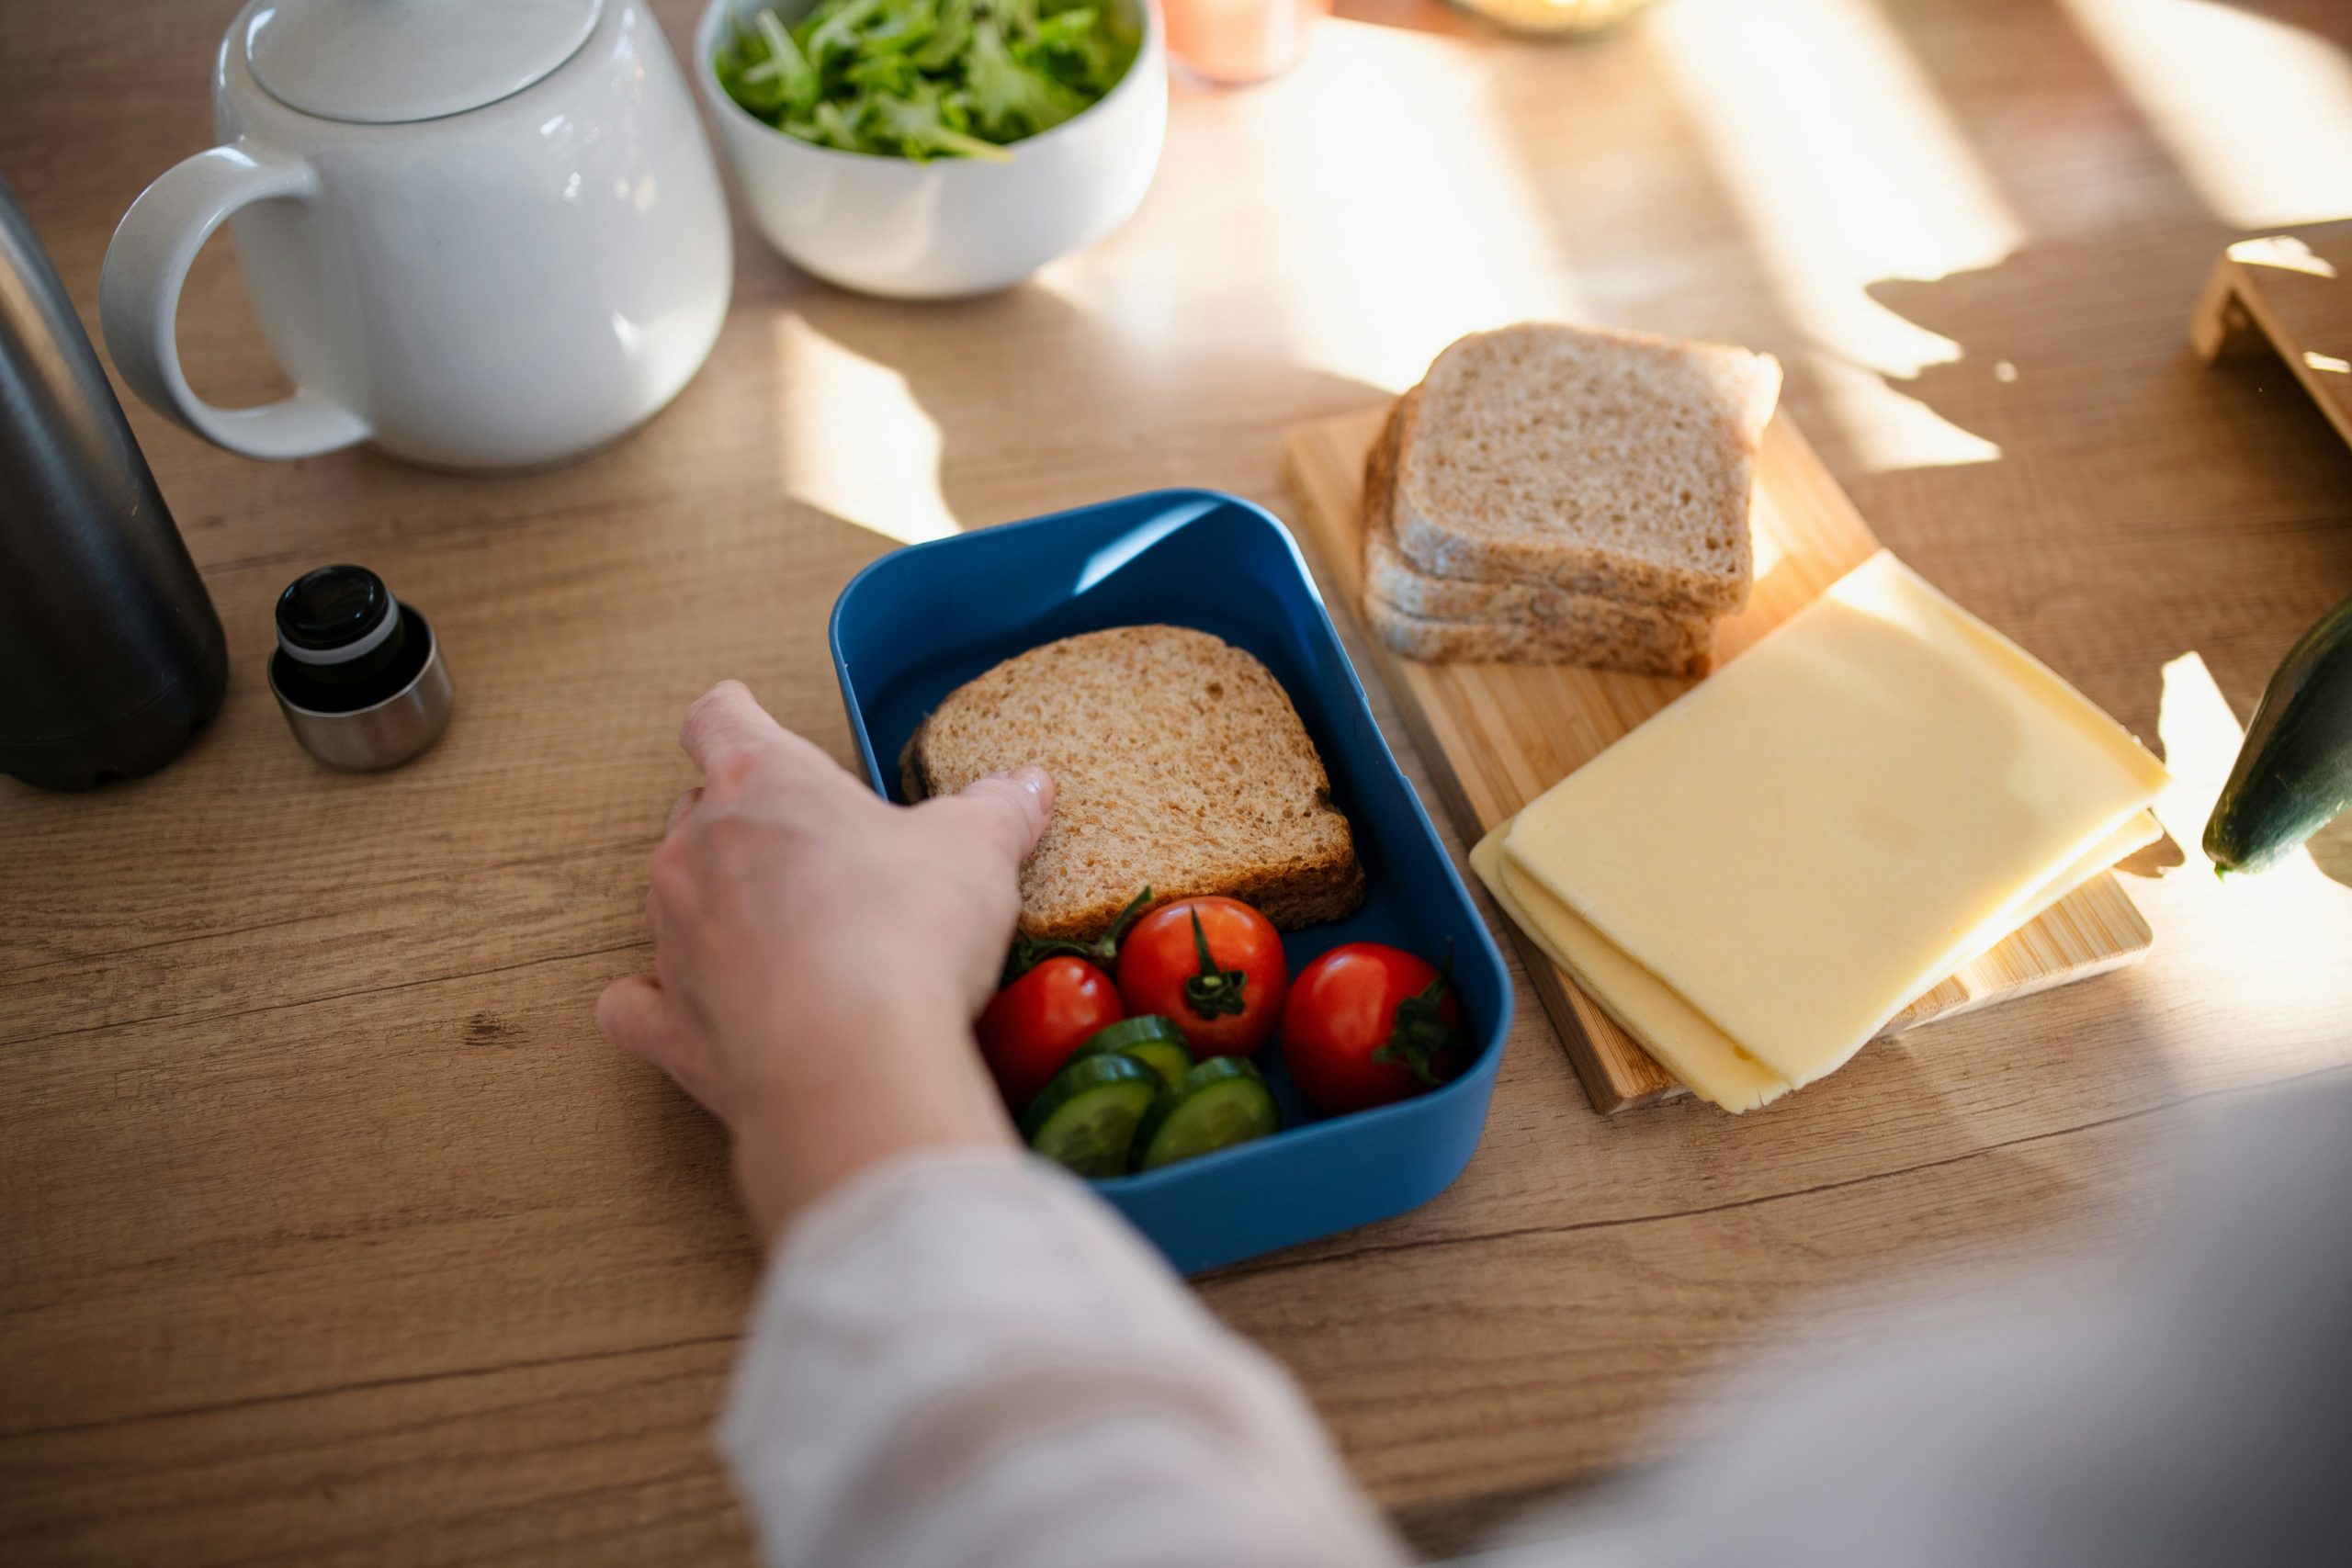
x=1560, y=18
x=1235, y=41
x=111, y=658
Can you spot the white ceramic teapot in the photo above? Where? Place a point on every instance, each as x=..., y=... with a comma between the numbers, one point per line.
x=481, y=235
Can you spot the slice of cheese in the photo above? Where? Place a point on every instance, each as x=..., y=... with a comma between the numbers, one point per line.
x=2137, y=834
x=1706, y=1060
x=1817, y=834
x=1684, y=1044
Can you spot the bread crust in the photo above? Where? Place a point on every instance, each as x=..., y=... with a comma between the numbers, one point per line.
x=1668, y=646
x=1547, y=625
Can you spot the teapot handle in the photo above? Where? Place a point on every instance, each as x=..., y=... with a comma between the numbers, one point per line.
x=139, y=300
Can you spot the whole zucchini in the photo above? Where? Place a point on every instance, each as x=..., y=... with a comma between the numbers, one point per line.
x=2294, y=773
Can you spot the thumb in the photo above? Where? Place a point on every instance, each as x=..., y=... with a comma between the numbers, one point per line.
x=1009, y=809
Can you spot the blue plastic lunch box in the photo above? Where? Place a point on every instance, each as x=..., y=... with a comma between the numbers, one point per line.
x=921, y=621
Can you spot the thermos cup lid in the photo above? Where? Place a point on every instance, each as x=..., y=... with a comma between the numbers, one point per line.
x=359, y=674
x=334, y=614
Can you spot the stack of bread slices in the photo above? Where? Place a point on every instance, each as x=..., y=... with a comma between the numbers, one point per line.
x=1558, y=494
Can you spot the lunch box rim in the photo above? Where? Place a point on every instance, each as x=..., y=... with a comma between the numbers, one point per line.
x=1491, y=1041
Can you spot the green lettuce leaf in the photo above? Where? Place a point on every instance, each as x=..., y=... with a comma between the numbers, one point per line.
x=926, y=78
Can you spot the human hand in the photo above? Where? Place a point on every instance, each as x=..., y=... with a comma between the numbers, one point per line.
x=819, y=955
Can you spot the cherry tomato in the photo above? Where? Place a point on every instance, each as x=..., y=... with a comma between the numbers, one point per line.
x=1030, y=1028
x=1367, y=1024
x=1215, y=965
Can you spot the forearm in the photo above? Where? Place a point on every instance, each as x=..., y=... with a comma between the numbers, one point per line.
x=964, y=1358
x=813, y=1121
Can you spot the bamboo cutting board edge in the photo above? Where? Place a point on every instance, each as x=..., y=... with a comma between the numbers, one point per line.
x=1488, y=733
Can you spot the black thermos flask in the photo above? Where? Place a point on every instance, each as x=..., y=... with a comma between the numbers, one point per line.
x=111, y=656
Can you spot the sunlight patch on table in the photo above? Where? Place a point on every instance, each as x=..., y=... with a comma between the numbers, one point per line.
x=1377, y=283
x=2201, y=737
x=1372, y=194
x=2274, y=919
x=1890, y=428
x=2257, y=112
x=1848, y=171
x=852, y=441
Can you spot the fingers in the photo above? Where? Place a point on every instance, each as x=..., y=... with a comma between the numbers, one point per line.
x=1008, y=810
x=680, y=809
x=727, y=733
x=726, y=725
x=632, y=1014
x=638, y=1016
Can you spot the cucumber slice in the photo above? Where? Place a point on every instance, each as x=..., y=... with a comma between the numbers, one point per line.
x=1133, y=1030
x=1085, y=1119
x=1222, y=1103
x=1154, y=1041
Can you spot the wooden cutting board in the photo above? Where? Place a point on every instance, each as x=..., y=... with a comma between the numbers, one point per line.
x=1496, y=736
x=2291, y=295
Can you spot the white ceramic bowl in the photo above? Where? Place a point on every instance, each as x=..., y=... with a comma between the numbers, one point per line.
x=952, y=226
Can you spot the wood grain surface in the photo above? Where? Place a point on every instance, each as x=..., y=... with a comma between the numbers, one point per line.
x=1496, y=736
x=334, y=1234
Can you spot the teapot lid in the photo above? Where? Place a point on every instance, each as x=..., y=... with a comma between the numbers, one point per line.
x=386, y=62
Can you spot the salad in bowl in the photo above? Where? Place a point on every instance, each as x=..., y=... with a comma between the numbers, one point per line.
x=928, y=148
x=926, y=78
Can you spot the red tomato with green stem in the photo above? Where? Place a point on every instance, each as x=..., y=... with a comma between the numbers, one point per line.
x=1056, y=997
x=1367, y=1024
x=1032, y=1026
x=1213, y=966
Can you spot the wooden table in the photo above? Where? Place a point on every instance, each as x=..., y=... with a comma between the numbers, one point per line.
x=332, y=1233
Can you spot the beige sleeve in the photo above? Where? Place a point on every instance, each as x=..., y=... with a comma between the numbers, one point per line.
x=968, y=1358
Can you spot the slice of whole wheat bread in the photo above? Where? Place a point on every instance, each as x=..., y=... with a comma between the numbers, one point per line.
x=1179, y=763
x=1607, y=463
x=1637, y=642
x=1446, y=619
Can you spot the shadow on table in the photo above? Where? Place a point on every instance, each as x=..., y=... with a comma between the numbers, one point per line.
x=2152, y=458
x=2188, y=507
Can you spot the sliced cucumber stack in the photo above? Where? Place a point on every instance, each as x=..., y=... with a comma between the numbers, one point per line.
x=1085, y=1119
x=1154, y=1041
x=1213, y=1106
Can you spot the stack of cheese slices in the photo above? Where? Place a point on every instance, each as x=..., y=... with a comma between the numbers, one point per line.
x=1556, y=495
x=1754, y=882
